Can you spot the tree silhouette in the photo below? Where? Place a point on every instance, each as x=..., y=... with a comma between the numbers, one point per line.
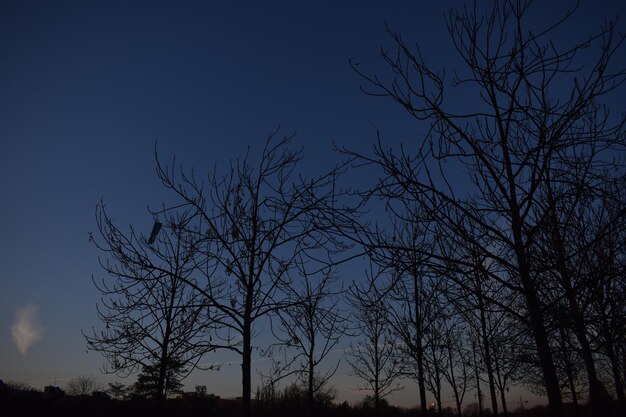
x=152, y=317
x=411, y=291
x=536, y=110
x=373, y=358
x=606, y=266
x=117, y=390
x=252, y=223
x=308, y=330
x=82, y=386
x=148, y=381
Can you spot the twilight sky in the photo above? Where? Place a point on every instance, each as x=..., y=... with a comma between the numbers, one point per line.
x=87, y=87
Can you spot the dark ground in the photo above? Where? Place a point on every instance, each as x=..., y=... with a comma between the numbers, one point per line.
x=30, y=403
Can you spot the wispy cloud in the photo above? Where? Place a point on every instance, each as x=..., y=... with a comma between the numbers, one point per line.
x=26, y=330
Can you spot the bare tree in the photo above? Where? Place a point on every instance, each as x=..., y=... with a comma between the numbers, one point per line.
x=435, y=362
x=505, y=340
x=411, y=294
x=562, y=248
x=253, y=223
x=594, y=277
x=309, y=329
x=82, y=386
x=456, y=373
x=523, y=124
x=608, y=323
x=151, y=315
x=373, y=358
x=474, y=304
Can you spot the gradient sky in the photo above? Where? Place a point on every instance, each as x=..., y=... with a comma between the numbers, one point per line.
x=87, y=87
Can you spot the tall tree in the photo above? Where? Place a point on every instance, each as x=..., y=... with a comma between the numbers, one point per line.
x=253, y=223
x=435, y=361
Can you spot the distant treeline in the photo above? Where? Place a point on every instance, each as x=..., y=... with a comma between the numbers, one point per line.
x=17, y=400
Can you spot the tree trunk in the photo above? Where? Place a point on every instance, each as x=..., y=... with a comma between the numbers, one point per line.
x=163, y=365
x=543, y=349
x=572, y=384
x=492, y=387
x=439, y=412
x=479, y=395
x=420, y=377
x=486, y=349
x=501, y=385
x=568, y=369
x=619, y=385
x=311, y=381
x=612, y=356
x=457, y=399
x=529, y=290
x=376, y=379
x=452, y=381
x=597, y=395
x=536, y=321
x=505, y=413
x=376, y=399
x=246, y=368
x=419, y=352
x=160, y=394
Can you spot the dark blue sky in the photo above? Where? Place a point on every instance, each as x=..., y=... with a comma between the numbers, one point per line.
x=87, y=87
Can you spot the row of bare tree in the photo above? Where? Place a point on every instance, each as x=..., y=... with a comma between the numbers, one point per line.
x=495, y=246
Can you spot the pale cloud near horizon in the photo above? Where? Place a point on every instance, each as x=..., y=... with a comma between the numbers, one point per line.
x=26, y=330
